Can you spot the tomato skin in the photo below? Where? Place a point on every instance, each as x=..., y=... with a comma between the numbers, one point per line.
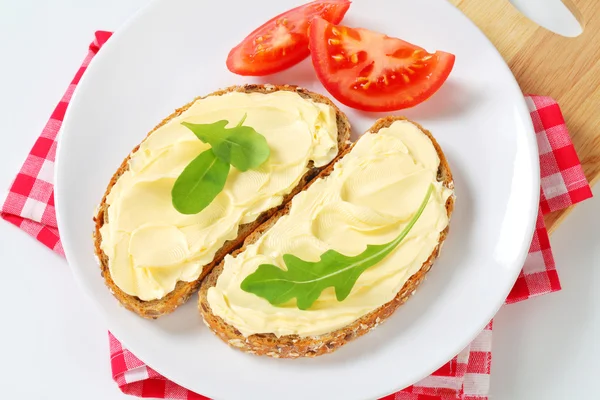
x=334, y=68
x=253, y=56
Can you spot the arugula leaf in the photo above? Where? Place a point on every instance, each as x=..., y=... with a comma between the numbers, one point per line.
x=306, y=280
x=204, y=178
x=199, y=183
x=240, y=146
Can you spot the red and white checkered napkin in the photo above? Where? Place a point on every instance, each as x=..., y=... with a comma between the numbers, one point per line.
x=30, y=206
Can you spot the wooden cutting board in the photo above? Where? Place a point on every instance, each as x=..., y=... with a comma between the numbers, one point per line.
x=545, y=63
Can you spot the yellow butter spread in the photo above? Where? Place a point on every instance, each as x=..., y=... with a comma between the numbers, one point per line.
x=150, y=246
x=371, y=195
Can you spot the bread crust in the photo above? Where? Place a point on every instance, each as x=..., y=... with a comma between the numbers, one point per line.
x=183, y=290
x=294, y=346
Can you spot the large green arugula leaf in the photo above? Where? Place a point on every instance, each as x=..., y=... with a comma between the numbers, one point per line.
x=199, y=183
x=306, y=280
x=240, y=146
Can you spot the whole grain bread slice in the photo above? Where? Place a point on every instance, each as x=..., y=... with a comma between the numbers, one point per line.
x=294, y=346
x=183, y=290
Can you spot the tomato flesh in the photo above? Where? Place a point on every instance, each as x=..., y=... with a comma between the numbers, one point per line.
x=373, y=72
x=283, y=40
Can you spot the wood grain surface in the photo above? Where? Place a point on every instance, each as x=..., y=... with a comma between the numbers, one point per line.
x=545, y=63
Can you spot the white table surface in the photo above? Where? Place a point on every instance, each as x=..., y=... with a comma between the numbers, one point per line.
x=54, y=341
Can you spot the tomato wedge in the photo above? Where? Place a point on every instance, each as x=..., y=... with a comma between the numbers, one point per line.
x=282, y=41
x=370, y=71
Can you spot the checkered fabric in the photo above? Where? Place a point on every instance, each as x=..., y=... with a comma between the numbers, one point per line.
x=465, y=377
x=562, y=185
x=30, y=200
x=137, y=379
x=30, y=206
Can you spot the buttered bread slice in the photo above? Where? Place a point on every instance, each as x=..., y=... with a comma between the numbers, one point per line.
x=394, y=182
x=152, y=256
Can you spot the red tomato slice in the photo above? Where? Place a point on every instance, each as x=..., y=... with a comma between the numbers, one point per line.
x=374, y=72
x=282, y=41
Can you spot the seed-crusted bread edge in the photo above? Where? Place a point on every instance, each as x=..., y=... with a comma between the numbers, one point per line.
x=183, y=290
x=294, y=346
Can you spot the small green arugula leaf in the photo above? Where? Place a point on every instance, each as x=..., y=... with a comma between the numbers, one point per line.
x=204, y=178
x=199, y=183
x=306, y=280
x=240, y=146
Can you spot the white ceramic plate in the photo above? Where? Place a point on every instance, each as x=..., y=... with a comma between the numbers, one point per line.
x=174, y=50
